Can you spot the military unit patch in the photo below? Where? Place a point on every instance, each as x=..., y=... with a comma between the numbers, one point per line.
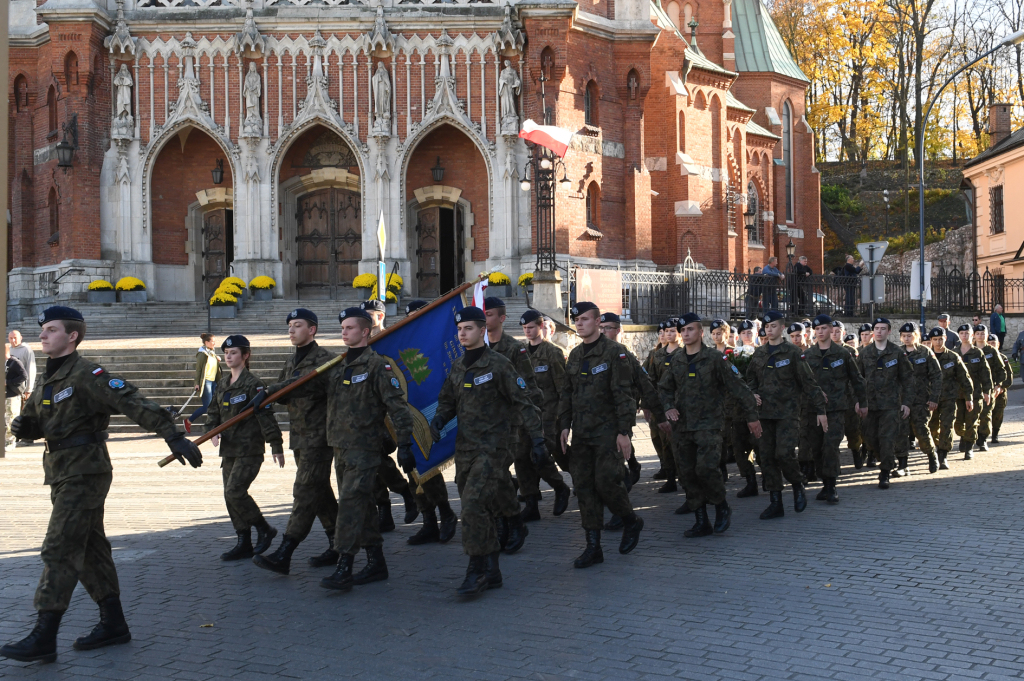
x=116, y=383
x=394, y=382
x=521, y=383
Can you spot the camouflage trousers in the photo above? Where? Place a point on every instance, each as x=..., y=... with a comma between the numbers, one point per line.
x=941, y=425
x=966, y=423
x=389, y=478
x=434, y=493
x=530, y=474
x=312, y=496
x=997, y=412
x=238, y=473
x=599, y=476
x=916, y=425
x=698, y=455
x=779, y=438
x=881, y=430
x=358, y=523
x=985, y=420
x=663, y=447
x=75, y=548
x=485, y=487
x=808, y=422
x=553, y=440
x=854, y=435
x=743, y=445
x=825, y=446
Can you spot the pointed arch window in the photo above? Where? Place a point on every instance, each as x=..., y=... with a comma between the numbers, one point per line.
x=590, y=98
x=787, y=156
x=51, y=110
x=755, y=235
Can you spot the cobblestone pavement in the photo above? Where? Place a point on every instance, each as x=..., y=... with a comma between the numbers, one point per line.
x=918, y=582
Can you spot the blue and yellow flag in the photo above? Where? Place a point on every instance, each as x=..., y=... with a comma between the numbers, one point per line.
x=423, y=350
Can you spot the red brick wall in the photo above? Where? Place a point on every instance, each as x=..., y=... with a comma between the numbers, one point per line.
x=177, y=176
x=291, y=165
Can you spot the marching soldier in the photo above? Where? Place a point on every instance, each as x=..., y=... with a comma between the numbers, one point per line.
x=549, y=372
x=957, y=389
x=242, y=447
x=696, y=374
x=838, y=330
x=835, y=371
x=70, y=408
x=852, y=425
x=484, y=390
x=927, y=387
x=1000, y=401
x=743, y=441
x=661, y=447
x=778, y=376
x=890, y=388
x=658, y=364
x=597, y=406
x=312, y=496
x=999, y=370
x=966, y=423
x=808, y=419
x=866, y=334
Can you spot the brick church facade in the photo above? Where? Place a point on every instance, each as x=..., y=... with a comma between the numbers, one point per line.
x=270, y=137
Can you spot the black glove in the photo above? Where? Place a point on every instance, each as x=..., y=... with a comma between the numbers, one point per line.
x=539, y=453
x=185, y=450
x=406, y=459
x=277, y=449
x=258, y=400
x=19, y=428
x=436, y=426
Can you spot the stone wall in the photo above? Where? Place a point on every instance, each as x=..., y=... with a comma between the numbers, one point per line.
x=953, y=251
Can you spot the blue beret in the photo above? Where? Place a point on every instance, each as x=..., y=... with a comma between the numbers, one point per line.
x=993, y=337
x=354, y=313
x=718, y=323
x=60, y=313
x=372, y=305
x=611, y=318
x=881, y=320
x=937, y=333
x=980, y=327
x=838, y=324
x=822, y=320
x=964, y=327
x=773, y=316
x=303, y=313
x=470, y=314
x=795, y=327
x=580, y=308
x=235, y=341
x=909, y=327
x=530, y=316
x=686, y=319
x=415, y=305
x=490, y=302
x=850, y=337
x=746, y=325
x=761, y=333
x=865, y=327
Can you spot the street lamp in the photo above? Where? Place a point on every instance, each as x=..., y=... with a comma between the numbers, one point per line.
x=65, y=148
x=1009, y=41
x=545, y=167
x=790, y=250
x=218, y=171
x=748, y=219
x=437, y=172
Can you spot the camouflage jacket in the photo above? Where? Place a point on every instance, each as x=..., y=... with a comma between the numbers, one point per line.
x=307, y=416
x=653, y=357
x=645, y=392
x=889, y=376
x=485, y=398
x=515, y=351
x=996, y=365
x=956, y=381
x=780, y=379
x=836, y=373
x=1008, y=381
x=549, y=372
x=695, y=387
x=78, y=400
x=978, y=368
x=598, y=398
x=927, y=375
x=246, y=437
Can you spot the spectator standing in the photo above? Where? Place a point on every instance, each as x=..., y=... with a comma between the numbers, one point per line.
x=207, y=374
x=803, y=274
x=754, y=293
x=16, y=378
x=952, y=339
x=28, y=360
x=997, y=324
x=850, y=269
x=771, y=279
x=1018, y=345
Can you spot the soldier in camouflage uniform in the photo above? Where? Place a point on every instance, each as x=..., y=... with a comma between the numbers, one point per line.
x=312, y=496
x=743, y=441
x=869, y=457
x=70, y=408
x=927, y=382
x=999, y=371
x=242, y=447
x=778, y=376
x=661, y=441
x=597, y=406
x=808, y=419
x=836, y=374
x=854, y=437
x=485, y=391
x=1000, y=401
x=696, y=374
x=890, y=387
x=966, y=423
x=956, y=387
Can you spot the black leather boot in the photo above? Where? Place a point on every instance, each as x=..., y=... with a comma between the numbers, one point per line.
x=751, y=489
x=41, y=643
x=883, y=479
x=982, y=445
x=111, y=629
x=264, y=536
x=823, y=493
x=328, y=557
x=630, y=533
x=799, y=498
x=995, y=436
x=411, y=512
x=968, y=452
x=449, y=521
x=668, y=487
x=872, y=460
x=809, y=473
x=243, y=549
x=341, y=579
x=723, y=517
x=562, y=494
x=279, y=561
x=530, y=511
x=933, y=464
x=943, y=466
x=614, y=523
x=476, y=577
x=593, y=554
x=701, y=525
x=493, y=571
x=517, y=532
x=387, y=522
x=501, y=525
x=684, y=509
x=858, y=458
x=660, y=475
x=775, y=508
x=428, y=533
x=902, y=469
x=831, y=496
x=375, y=570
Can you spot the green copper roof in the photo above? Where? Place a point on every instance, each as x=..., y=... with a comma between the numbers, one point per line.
x=759, y=45
x=755, y=129
x=732, y=102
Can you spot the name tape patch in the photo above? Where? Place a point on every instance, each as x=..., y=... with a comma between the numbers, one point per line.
x=891, y=363
x=837, y=363
x=781, y=363
x=922, y=360
x=599, y=368
x=63, y=394
x=948, y=366
x=483, y=379
x=975, y=360
x=360, y=378
x=237, y=398
x=540, y=369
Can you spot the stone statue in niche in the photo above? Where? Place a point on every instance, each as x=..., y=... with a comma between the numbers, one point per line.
x=124, y=123
x=381, y=100
x=252, y=88
x=509, y=86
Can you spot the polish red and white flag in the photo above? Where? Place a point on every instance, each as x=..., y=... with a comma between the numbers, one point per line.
x=554, y=138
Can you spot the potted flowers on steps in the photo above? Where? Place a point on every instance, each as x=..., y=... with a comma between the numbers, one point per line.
x=131, y=290
x=498, y=284
x=262, y=289
x=526, y=283
x=235, y=287
x=222, y=305
x=101, y=291
x=365, y=284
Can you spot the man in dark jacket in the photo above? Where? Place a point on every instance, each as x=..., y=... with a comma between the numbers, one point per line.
x=852, y=271
x=17, y=379
x=803, y=273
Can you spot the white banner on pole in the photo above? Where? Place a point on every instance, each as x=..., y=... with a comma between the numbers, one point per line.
x=915, y=281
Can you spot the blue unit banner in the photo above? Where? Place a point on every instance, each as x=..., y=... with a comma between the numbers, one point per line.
x=423, y=350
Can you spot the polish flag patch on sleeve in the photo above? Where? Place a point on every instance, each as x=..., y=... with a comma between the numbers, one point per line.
x=622, y=355
x=388, y=367
x=97, y=371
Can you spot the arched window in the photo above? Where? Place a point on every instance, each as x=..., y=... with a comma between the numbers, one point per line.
x=590, y=104
x=755, y=235
x=71, y=70
x=21, y=93
x=51, y=109
x=673, y=13
x=594, y=207
x=687, y=14
x=787, y=156
x=54, y=208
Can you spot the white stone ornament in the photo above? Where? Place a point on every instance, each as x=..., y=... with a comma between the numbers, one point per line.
x=509, y=86
x=123, y=127
x=252, y=88
x=381, y=101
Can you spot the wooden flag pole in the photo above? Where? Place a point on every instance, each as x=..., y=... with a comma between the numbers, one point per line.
x=322, y=368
